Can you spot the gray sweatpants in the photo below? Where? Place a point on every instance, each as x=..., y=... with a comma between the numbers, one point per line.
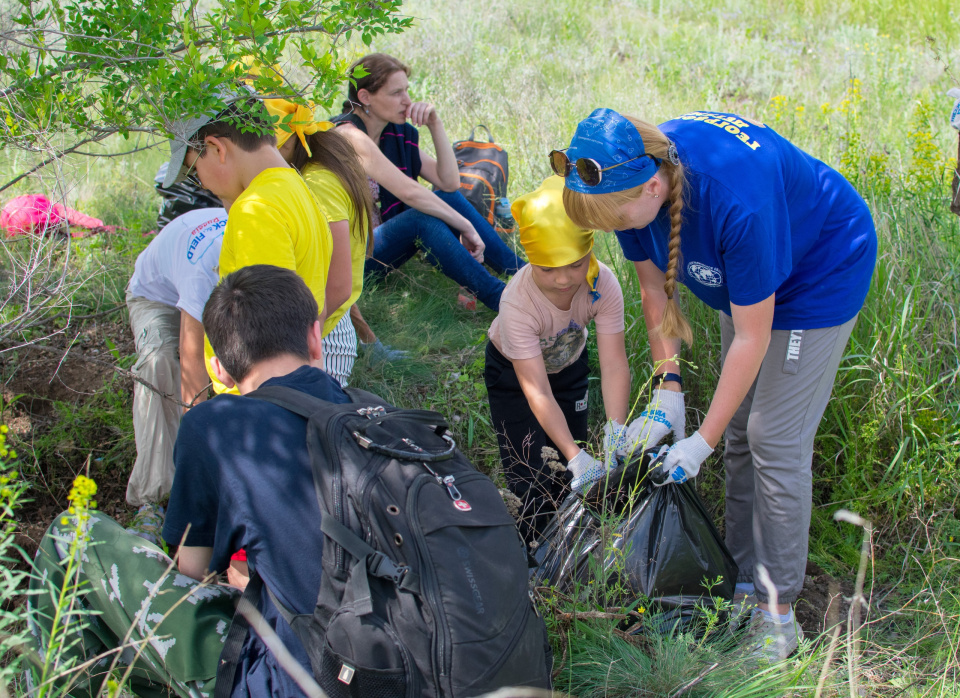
x=156, y=332
x=769, y=451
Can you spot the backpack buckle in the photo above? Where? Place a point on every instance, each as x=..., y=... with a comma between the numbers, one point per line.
x=382, y=566
x=401, y=572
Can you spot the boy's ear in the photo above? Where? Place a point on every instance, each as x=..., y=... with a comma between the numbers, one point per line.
x=217, y=147
x=314, y=341
x=220, y=374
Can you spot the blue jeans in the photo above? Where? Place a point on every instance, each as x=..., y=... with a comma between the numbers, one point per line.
x=398, y=239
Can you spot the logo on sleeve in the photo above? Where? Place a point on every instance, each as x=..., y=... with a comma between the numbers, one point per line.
x=708, y=276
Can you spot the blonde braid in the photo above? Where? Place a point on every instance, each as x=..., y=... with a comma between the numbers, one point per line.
x=674, y=325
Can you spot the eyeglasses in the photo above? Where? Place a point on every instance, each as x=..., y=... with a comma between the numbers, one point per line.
x=589, y=169
x=190, y=171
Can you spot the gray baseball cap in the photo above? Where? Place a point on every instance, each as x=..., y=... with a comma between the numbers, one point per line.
x=184, y=130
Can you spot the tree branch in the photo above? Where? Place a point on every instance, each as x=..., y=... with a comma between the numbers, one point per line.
x=92, y=139
x=116, y=155
x=159, y=53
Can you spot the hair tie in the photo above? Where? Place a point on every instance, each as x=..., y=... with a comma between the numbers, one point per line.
x=672, y=155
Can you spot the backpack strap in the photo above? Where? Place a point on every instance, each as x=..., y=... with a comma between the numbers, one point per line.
x=358, y=395
x=239, y=628
x=369, y=562
x=291, y=399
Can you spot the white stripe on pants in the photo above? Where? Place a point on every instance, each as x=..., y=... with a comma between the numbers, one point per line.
x=156, y=332
x=340, y=350
x=769, y=453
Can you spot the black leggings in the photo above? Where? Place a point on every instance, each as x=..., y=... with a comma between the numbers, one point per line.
x=521, y=438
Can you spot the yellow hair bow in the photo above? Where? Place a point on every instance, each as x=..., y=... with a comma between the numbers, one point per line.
x=547, y=234
x=300, y=121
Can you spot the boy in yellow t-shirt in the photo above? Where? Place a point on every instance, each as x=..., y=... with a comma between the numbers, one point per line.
x=273, y=218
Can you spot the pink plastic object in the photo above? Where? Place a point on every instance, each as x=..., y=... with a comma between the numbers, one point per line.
x=35, y=214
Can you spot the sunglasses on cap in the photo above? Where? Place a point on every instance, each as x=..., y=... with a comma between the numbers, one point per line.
x=589, y=169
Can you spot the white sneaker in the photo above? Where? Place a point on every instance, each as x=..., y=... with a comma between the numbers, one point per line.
x=741, y=609
x=771, y=640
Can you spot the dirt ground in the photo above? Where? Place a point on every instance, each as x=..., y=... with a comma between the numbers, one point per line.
x=41, y=377
x=824, y=601
x=44, y=376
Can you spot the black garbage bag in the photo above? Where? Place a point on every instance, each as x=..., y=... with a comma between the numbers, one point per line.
x=181, y=198
x=642, y=540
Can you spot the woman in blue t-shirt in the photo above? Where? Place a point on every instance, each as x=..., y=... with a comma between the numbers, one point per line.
x=374, y=119
x=781, y=245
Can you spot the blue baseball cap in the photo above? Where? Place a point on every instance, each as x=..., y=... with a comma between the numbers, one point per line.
x=609, y=139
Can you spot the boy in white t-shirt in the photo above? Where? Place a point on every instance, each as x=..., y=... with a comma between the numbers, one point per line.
x=170, y=285
x=536, y=363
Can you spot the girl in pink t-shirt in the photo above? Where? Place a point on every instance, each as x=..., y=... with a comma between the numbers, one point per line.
x=537, y=365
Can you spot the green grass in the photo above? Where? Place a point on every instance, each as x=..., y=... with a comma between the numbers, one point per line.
x=859, y=85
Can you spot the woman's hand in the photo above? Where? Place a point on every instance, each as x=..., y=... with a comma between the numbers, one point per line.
x=683, y=460
x=422, y=114
x=443, y=172
x=471, y=240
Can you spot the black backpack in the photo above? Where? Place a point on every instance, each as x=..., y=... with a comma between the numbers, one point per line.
x=484, y=172
x=424, y=588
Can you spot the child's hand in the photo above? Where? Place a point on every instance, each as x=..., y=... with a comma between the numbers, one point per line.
x=586, y=470
x=663, y=414
x=614, y=441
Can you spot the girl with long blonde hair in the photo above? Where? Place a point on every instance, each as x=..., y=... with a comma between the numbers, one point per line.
x=784, y=248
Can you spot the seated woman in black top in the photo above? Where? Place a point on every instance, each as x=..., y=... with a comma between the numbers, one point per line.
x=454, y=237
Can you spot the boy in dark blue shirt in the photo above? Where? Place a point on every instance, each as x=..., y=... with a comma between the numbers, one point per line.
x=243, y=476
x=243, y=480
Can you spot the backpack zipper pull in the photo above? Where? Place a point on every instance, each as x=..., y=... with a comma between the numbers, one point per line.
x=448, y=481
x=432, y=472
x=452, y=490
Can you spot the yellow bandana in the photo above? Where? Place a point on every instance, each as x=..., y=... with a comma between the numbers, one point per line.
x=547, y=234
x=301, y=121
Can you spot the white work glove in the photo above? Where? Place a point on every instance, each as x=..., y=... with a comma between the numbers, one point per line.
x=614, y=441
x=682, y=461
x=586, y=470
x=955, y=114
x=663, y=414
